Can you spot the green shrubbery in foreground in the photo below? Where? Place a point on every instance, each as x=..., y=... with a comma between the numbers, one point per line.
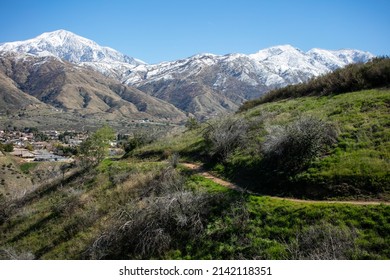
x=157, y=212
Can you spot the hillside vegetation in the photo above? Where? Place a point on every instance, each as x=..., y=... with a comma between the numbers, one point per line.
x=146, y=205
x=132, y=209
x=354, y=77
x=312, y=147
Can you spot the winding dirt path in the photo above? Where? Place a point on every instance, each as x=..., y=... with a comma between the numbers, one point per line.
x=198, y=169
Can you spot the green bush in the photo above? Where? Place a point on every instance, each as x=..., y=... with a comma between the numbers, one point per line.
x=8, y=148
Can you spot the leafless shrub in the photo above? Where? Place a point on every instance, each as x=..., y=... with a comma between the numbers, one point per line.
x=224, y=135
x=174, y=159
x=165, y=182
x=323, y=242
x=66, y=203
x=5, y=208
x=292, y=146
x=117, y=178
x=167, y=213
x=12, y=254
x=117, y=175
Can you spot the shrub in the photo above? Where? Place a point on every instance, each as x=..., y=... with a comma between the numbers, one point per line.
x=192, y=123
x=174, y=159
x=139, y=139
x=224, y=135
x=291, y=147
x=323, y=242
x=4, y=208
x=12, y=254
x=164, y=216
x=7, y=147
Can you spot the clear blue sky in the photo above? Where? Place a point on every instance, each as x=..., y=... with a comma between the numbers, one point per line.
x=156, y=31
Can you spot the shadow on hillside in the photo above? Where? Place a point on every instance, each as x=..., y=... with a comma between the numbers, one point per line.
x=260, y=179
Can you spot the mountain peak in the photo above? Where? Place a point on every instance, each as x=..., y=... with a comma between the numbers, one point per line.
x=61, y=32
x=61, y=36
x=68, y=46
x=275, y=51
x=285, y=47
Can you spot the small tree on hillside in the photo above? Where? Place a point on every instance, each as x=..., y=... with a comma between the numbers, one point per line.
x=7, y=147
x=192, y=123
x=95, y=148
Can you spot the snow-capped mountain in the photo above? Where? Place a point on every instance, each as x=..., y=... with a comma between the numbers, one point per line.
x=203, y=84
x=275, y=66
x=206, y=84
x=73, y=48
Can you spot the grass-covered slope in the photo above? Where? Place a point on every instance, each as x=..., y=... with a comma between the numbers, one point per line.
x=355, y=165
x=358, y=162
x=131, y=209
x=327, y=138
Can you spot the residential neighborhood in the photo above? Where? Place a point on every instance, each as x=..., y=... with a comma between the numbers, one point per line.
x=34, y=145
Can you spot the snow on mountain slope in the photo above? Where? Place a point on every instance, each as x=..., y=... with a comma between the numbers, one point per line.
x=276, y=66
x=340, y=58
x=200, y=84
x=213, y=83
x=68, y=46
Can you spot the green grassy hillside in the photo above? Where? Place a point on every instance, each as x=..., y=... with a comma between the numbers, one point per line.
x=355, y=166
x=132, y=209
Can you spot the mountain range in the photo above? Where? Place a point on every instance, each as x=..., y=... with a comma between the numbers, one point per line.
x=68, y=72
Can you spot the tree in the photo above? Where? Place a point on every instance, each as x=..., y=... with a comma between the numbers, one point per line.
x=95, y=148
x=7, y=147
x=191, y=123
x=29, y=146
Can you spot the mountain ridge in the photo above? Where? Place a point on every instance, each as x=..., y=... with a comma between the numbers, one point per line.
x=63, y=87
x=203, y=84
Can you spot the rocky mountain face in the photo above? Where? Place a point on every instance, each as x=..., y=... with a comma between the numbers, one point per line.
x=28, y=80
x=204, y=84
x=207, y=84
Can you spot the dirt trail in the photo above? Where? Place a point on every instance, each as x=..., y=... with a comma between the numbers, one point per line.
x=198, y=169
